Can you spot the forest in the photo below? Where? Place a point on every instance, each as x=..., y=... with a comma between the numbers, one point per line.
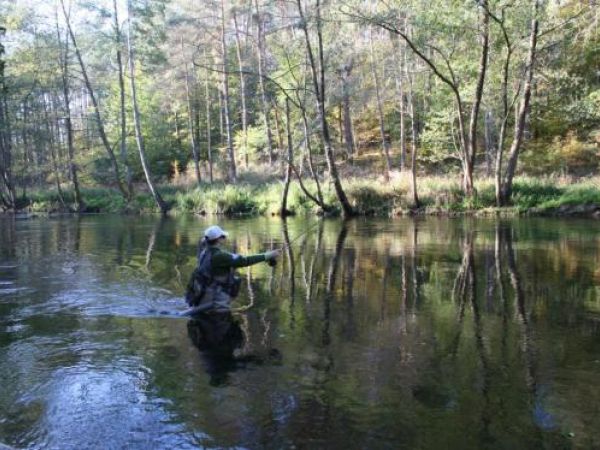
x=282, y=106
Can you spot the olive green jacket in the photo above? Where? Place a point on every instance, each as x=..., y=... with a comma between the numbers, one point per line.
x=222, y=261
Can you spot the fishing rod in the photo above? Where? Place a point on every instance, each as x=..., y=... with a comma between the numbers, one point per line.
x=273, y=262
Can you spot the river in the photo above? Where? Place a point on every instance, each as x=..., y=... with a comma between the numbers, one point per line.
x=429, y=333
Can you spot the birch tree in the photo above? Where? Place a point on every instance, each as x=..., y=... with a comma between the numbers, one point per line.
x=92, y=94
x=137, y=120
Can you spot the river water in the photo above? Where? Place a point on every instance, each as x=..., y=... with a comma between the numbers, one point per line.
x=428, y=334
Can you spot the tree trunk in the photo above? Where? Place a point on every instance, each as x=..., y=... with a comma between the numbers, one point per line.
x=208, y=102
x=5, y=143
x=347, y=116
x=51, y=147
x=66, y=91
x=190, y=112
x=261, y=82
x=278, y=126
x=221, y=114
x=384, y=144
x=122, y=112
x=308, y=147
x=340, y=125
x=98, y=116
x=226, y=100
x=452, y=83
x=319, y=86
x=483, y=61
x=489, y=147
x=238, y=47
x=5, y=150
x=504, y=123
x=399, y=85
x=413, y=152
x=176, y=125
x=27, y=167
x=137, y=121
x=513, y=155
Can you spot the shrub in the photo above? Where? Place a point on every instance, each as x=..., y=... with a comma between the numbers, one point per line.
x=368, y=198
x=231, y=200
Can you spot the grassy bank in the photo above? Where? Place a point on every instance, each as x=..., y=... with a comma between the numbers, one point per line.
x=439, y=195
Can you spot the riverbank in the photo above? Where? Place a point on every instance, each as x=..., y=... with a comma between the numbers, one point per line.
x=370, y=197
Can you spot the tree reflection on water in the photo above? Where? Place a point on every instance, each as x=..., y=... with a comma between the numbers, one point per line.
x=368, y=334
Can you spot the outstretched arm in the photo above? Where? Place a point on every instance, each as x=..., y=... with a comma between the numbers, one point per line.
x=226, y=260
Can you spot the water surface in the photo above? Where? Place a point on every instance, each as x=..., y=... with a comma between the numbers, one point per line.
x=425, y=334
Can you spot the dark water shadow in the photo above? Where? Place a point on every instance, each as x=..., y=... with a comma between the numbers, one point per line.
x=220, y=337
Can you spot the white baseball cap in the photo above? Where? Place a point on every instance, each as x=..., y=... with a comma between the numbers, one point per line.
x=214, y=232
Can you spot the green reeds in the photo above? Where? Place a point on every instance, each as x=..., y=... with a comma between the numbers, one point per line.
x=438, y=195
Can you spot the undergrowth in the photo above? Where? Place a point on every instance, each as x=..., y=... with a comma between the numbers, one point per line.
x=367, y=196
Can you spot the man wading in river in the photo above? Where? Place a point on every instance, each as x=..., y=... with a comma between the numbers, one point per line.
x=214, y=283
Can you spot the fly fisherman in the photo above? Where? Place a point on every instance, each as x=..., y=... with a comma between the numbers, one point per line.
x=214, y=283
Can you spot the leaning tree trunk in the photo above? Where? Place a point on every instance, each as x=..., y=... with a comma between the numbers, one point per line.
x=238, y=47
x=513, y=155
x=97, y=114
x=308, y=148
x=452, y=83
x=137, y=122
x=319, y=87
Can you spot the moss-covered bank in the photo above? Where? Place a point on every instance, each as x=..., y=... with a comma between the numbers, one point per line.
x=539, y=196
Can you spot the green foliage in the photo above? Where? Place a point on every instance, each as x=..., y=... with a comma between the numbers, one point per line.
x=368, y=197
x=562, y=130
x=232, y=200
x=437, y=145
x=256, y=144
x=268, y=198
x=568, y=155
x=531, y=192
x=241, y=199
x=584, y=114
x=103, y=200
x=218, y=199
x=574, y=195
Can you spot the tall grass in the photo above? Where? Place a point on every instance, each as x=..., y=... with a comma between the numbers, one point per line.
x=368, y=196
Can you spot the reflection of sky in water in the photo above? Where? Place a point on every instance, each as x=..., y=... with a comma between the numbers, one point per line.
x=89, y=407
x=78, y=286
x=542, y=417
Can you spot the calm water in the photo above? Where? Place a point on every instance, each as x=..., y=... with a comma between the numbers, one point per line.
x=427, y=334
